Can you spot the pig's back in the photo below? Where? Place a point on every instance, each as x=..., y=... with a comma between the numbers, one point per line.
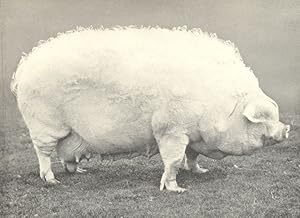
x=157, y=60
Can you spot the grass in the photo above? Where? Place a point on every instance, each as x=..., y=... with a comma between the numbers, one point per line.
x=266, y=184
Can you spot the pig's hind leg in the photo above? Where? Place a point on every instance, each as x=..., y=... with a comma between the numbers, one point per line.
x=44, y=159
x=45, y=130
x=44, y=146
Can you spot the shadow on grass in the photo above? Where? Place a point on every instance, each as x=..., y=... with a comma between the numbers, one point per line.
x=211, y=175
x=120, y=175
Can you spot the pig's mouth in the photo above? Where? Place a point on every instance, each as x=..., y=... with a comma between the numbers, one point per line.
x=267, y=141
x=284, y=134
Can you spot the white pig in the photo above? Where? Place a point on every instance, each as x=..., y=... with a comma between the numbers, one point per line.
x=140, y=91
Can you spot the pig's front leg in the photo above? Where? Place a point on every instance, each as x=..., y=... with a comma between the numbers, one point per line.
x=190, y=162
x=172, y=150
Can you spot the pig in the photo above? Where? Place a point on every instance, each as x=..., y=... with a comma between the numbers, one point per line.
x=131, y=91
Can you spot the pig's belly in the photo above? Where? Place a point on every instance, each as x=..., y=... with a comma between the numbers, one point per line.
x=111, y=127
x=124, y=139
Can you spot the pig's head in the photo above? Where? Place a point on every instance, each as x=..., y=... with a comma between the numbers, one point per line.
x=255, y=124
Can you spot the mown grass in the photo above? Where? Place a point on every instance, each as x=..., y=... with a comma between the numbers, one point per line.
x=266, y=184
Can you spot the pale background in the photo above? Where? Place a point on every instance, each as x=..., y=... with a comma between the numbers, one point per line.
x=266, y=33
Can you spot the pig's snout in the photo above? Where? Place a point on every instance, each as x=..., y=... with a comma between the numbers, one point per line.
x=281, y=135
x=286, y=131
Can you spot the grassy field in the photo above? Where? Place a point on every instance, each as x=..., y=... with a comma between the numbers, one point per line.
x=266, y=184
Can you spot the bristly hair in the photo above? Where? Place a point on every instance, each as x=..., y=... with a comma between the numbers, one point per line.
x=214, y=53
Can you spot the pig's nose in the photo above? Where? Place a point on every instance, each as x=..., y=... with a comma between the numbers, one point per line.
x=286, y=131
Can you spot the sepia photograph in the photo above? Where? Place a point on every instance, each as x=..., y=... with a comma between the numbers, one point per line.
x=150, y=108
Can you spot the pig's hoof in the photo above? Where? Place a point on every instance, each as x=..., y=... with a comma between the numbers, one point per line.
x=81, y=170
x=172, y=186
x=53, y=182
x=49, y=178
x=199, y=170
x=177, y=189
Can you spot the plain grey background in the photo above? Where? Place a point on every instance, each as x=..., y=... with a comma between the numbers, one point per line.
x=266, y=32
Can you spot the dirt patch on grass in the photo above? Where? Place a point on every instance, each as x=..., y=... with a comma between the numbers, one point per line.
x=266, y=184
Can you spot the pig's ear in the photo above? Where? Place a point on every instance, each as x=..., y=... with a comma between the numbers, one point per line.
x=259, y=111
